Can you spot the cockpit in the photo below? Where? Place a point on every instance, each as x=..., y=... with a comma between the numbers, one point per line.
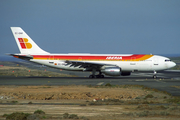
x=167, y=60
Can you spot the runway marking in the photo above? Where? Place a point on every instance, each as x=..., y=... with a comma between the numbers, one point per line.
x=177, y=78
x=139, y=80
x=101, y=83
x=159, y=81
x=149, y=75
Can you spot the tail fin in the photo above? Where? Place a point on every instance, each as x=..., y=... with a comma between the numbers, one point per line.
x=25, y=43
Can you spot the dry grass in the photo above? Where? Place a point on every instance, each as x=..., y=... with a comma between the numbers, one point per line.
x=24, y=71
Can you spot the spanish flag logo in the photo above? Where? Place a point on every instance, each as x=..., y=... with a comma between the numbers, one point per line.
x=24, y=43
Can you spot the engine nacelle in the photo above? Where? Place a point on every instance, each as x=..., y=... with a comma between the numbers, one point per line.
x=112, y=71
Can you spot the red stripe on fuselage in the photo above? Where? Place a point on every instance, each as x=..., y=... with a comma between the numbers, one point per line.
x=87, y=57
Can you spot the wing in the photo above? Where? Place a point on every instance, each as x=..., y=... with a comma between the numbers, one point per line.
x=87, y=65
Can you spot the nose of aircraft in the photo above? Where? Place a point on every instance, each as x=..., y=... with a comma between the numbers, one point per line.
x=172, y=64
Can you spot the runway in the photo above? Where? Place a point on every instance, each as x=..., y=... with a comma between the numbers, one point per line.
x=165, y=81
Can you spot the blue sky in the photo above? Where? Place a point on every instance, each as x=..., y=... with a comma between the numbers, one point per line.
x=93, y=26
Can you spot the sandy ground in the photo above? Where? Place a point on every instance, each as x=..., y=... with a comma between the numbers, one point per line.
x=68, y=92
x=80, y=100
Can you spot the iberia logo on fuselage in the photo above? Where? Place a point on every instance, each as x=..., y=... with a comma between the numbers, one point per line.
x=24, y=43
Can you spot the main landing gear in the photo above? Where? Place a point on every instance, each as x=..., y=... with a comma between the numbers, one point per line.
x=96, y=76
x=155, y=76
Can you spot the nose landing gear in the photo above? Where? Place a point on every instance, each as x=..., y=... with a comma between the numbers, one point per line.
x=155, y=76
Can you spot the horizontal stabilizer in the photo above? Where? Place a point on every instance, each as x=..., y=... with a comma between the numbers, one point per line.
x=24, y=57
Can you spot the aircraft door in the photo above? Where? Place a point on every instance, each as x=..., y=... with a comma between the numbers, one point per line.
x=133, y=64
x=155, y=61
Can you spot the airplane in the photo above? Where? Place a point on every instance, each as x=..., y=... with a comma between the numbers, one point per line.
x=105, y=64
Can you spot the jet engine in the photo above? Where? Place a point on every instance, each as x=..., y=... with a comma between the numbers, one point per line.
x=112, y=71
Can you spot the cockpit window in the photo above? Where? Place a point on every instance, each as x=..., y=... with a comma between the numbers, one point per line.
x=167, y=60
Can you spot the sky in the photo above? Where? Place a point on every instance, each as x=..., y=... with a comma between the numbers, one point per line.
x=93, y=26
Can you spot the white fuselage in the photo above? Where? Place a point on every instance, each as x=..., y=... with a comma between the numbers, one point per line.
x=154, y=63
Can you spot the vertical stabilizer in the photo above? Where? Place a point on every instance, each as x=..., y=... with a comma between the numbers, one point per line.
x=25, y=44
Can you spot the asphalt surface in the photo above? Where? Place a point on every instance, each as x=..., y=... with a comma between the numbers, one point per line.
x=164, y=82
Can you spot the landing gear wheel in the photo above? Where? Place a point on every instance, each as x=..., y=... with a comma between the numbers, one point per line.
x=99, y=76
x=92, y=76
x=154, y=76
x=96, y=76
